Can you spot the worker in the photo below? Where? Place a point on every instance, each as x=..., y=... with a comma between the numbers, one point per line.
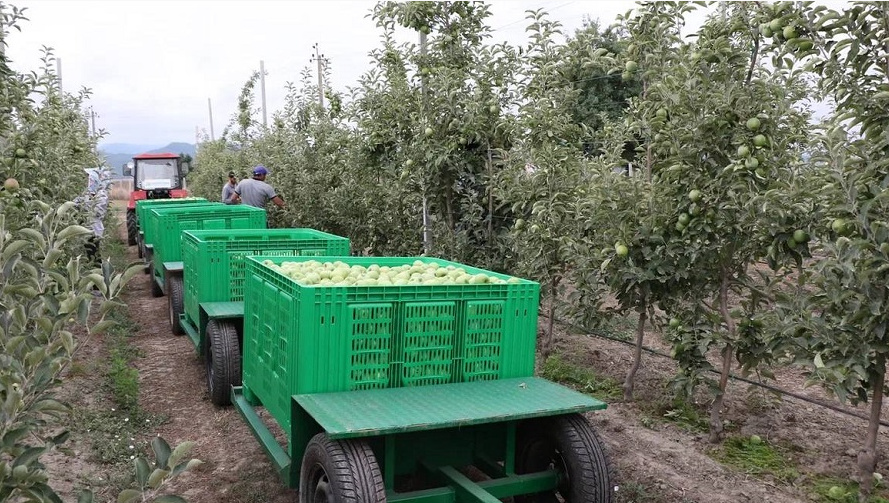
x=95, y=203
x=228, y=190
x=255, y=191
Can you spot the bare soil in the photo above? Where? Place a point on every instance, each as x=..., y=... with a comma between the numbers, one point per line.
x=656, y=460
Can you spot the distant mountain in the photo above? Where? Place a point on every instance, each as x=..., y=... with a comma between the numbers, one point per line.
x=118, y=154
x=176, y=148
x=125, y=148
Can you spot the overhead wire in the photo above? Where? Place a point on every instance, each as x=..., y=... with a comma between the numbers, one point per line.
x=734, y=377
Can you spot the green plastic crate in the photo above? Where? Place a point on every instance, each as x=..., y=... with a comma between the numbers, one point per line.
x=143, y=205
x=214, y=261
x=166, y=226
x=314, y=339
x=144, y=222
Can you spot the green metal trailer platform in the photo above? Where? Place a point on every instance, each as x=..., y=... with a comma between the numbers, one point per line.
x=411, y=393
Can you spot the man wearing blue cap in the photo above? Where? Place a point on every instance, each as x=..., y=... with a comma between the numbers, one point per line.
x=255, y=192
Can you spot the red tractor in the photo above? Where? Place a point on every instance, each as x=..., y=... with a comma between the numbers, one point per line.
x=155, y=176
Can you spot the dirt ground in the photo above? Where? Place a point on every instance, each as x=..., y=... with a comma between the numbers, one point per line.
x=656, y=460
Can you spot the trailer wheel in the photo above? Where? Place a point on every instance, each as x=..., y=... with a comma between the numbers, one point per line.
x=176, y=302
x=149, y=258
x=571, y=446
x=340, y=470
x=139, y=249
x=223, y=359
x=131, y=227
x=155, y=287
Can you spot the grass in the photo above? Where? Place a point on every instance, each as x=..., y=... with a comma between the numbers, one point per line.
x=581, y=378
x=115, y=423
x=634, y=492
x=122, y=378
x=757, y=457
x=684, y=415
x=822, y=490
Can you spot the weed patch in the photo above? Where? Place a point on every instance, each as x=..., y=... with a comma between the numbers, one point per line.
x=684, y=415
x=581, y=378
x=840, y=490
x=757, y=457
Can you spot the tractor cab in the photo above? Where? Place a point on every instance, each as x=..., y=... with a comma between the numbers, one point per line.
x=158, y=176
x=155, y=176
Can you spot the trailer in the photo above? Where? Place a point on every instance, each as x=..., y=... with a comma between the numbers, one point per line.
x=206, y=301
x=403, y=391
x=139, y=216
x=165, y=226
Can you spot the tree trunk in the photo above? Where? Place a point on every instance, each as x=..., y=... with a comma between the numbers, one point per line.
x=727, y=355
x=449, y=208
x=867, y=457
x=716, y=409
x=637, y=355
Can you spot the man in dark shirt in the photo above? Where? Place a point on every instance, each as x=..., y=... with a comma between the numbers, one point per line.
x=256, y=192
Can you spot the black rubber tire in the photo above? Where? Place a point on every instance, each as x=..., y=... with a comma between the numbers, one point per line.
x=176, y=304
x=344, y=471
x=156, y=290
x=149, y=258
x=570, y=445
x=131, y=227
x=222, y=357
x=139, y=248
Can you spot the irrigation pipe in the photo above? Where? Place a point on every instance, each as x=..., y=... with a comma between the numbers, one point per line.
x=780, y=391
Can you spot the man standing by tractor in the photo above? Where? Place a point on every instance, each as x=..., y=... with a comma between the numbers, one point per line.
x=256, y=192
x=228, y=190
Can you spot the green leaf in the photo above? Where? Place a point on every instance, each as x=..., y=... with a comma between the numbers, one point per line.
x=86, y=496
x=157, y=478
x=29, y=456
x=161, y=451
x=142, y=471
x=819, y=363
x=35, y=236
x=71, y=232
x=15, y=247
x=129, y=496
x=179, y=452
x=102, y=326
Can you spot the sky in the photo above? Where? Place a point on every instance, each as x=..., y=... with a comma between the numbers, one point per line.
x=152, y=65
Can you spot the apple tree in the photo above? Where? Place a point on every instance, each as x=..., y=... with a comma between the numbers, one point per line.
x=838, y=328
x=723, y=126
x=545, y=167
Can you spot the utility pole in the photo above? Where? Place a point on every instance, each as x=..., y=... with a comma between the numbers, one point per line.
x=210, y=107
x=59, y=71
x=93, y=119
x=427, y=232
x=262, y=83
x=197, y=137
x=321, y=60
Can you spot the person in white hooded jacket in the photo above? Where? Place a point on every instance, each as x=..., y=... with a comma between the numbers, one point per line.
x=94, y=203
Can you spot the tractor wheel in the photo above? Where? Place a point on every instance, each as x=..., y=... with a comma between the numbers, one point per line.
x=155, y=287
x=223, y=359
x=340, y=470
x=176, y=303
x=131, y=227
x=571, y=446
